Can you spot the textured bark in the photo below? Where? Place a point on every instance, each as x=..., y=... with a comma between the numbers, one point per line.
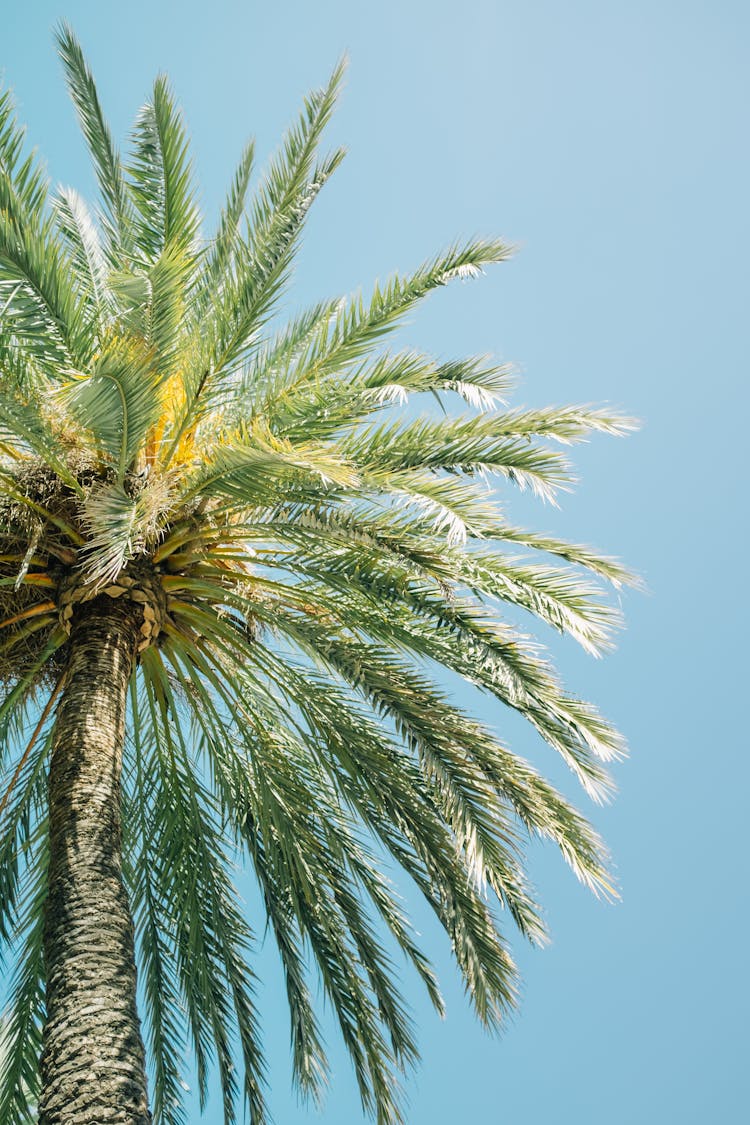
x=93, y=1063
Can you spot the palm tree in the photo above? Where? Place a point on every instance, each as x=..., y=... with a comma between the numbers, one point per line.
x=234, y=570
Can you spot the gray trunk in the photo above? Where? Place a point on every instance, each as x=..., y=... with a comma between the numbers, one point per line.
x=93, y=1063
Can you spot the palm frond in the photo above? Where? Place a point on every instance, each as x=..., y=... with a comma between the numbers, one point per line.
x=226, y=243
x=281, y=824
x=118, y=402
x=603, y=565
x=465, y=803
x=212, y=939
x=23, y=804
x=21, y=1041
x=120, y=525
x=82, y=239
x=161, y=177
x=96, y=131
x=470, y=446
x=359, y=326
x=25, y=430
x=163, y=1009
x=321, y=406
x=259, y=268
x=23, y=183
x=254, y=460
x=41, y=304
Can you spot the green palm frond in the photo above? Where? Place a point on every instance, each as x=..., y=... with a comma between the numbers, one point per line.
x=118, y=206
x=82, y=239
x=212, y=939
x=161, y=177
x=164, y=1018
x=249, y=463
x=301, y=845
x=150, y=305
x=25, y=431
x=340, y=550
x=603, y=565
x=120, y=525
x=220, y=252
x=23, y=183
x=40, y=306
x=21, y=1035
x=118, y=401
x=38, y=303
x=321, y=406
x=459, y=446
x=356, y=327
x=23, y=800
x=259, y=265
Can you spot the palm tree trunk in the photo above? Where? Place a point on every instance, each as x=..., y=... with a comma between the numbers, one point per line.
x=93, y=1061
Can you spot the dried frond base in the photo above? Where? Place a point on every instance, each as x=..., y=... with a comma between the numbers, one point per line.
x=34, y=557
x=43, y=579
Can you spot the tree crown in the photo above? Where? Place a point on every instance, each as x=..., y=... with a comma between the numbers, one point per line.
x=304, y=556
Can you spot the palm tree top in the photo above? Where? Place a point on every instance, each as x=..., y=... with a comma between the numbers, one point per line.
x=305, y=556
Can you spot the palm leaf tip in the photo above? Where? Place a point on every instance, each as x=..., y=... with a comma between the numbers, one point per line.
x=97, y=134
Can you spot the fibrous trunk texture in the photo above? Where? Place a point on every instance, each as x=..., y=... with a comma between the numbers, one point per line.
x=93, y=1064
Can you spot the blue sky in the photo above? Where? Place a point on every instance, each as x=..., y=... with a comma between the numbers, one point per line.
x=609, y=142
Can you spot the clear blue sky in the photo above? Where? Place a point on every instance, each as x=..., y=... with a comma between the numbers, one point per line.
x=609, y=141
